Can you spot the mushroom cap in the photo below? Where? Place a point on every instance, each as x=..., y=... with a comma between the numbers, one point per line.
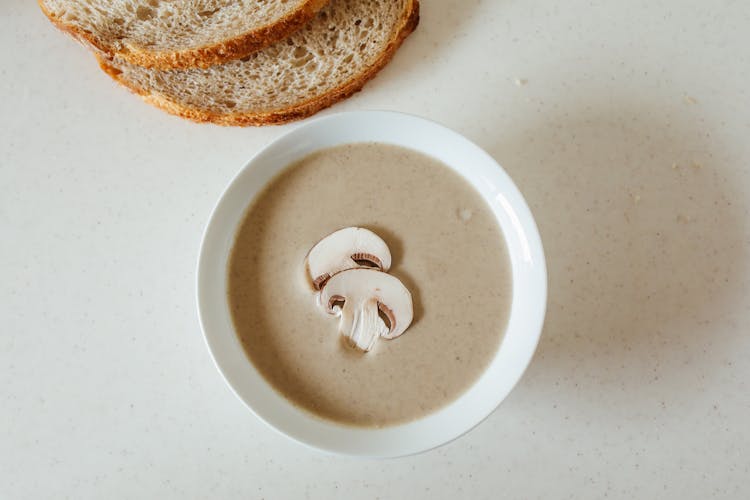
x=347, y=248
x=357, y=287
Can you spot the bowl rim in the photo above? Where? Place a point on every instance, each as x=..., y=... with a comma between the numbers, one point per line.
x=523, y=223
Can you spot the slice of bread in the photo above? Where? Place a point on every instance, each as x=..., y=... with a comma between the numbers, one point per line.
x=346, y=44
x=179, y=33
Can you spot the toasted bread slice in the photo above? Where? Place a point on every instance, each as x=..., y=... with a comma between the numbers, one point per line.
x=344, y=46
x=179, y=33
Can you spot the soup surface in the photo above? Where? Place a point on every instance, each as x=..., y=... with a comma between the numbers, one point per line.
x=447, y=248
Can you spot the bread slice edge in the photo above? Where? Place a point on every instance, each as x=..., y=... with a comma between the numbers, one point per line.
x=198, y=57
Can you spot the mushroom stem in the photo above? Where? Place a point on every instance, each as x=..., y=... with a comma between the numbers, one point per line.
x=361, y=324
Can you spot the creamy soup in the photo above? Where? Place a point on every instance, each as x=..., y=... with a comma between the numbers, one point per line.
x=446, y=247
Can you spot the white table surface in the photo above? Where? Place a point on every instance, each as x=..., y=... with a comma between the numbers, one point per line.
x=641, y=384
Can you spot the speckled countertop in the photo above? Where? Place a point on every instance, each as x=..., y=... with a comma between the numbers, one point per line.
x=626, y=125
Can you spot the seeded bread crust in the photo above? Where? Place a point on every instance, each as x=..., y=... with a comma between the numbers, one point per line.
x=294, y=111
x=202, y=57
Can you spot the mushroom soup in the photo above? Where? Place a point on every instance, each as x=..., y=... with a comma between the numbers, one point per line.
x=428, y=250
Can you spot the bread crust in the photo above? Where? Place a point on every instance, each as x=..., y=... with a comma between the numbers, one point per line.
x=200, y=57
x=297, y=112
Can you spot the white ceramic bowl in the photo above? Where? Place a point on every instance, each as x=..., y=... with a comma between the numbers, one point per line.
x=526, y=256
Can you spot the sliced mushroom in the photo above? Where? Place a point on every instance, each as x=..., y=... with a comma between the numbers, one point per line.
x=370, y=303
x=348, y=248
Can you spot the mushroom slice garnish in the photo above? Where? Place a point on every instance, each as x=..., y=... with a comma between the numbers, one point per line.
x=348, y=248
x=370, y=303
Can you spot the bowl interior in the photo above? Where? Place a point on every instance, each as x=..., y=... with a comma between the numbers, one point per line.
x=526, y=258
